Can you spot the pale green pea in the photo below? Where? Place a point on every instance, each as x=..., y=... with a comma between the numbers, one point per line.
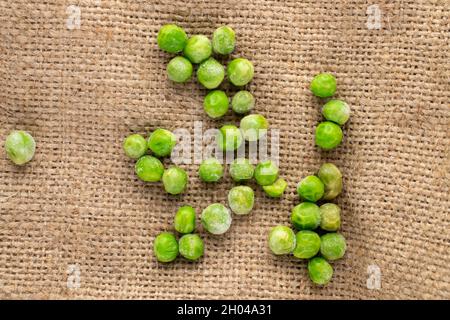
x=172, y=38
x=276, y=189
x=328, y=135
x=320, y=271
x=229, y=138
x=210, y=170
x=330, y=215
x=266, y=173
x=184, y=220
x=175, y=180
x=307, y=244
x=135, y=146
x=281, y=240
x=20, y=147
x=337, y=111
x=161, y=142
x=306, y=216
x=191, y=247
x=179, y=69
x=240, y=71
x=198, y=48
x=224, y=40
x=331, y=177
x=241, y=199
x=241, y=169
x=216, y=104
x=149, y=169
x=332, y=246
x=311, y=189
x=210, y=73
x=323, y=85
x=216, y=218
x=242, y=102
x=254, y=127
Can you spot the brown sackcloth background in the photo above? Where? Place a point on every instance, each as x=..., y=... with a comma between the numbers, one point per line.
x=78, y=210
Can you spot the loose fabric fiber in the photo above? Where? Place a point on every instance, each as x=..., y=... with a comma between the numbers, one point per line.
x=81, y=75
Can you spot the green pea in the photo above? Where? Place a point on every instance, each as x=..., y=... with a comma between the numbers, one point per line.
x=162, y=142
x=243, y=102
x=229, y=138
x=135, y=146
x=306, y=216
x=216, y=218
x=337, y=111
x=323, y=85
x=175, y=180
x=210, y=170
x=240, y=71
x=191, y=247
x=172, y=38
x=307, y=244
x=331, y=177
x=210, y=73
x=149, y=169
x=320, y=271
x=330, y=217
x=224, y=40
x=179, y=69
x=254, y=127
x=198, y=48
x=332, y=246
x=165, y=247
x=184, y=221
x=266, y=173
x=311, y=189
x=241, y=199
x=20, y=147
x=276, y=189
x=328, y=135
x=216, y=104
x=281, y=240
x=241, y=169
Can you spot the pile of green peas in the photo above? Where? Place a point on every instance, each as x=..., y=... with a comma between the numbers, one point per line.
x=321, y=247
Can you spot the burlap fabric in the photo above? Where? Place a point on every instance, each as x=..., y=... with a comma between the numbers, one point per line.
x=76, y=222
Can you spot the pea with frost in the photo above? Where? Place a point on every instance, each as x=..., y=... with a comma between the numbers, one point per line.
x=307, y=244
x=328, y=135
x=323, y=85
x=174, y=180
x=229, y=138
x=330, y=215
x=224, y=40
x=331, y=177
x=266, y=173
x=198, y=48
x=184, y=221
x=179, y=69
x=135, y=146
x=241, y=169
x=165, y=247
x=216, y=219
x=20, y=147
x=254, y=127
x=241, y=199
x=336, y=111
x=305, y=216
x=281, y=240
x=172, y=38
x=311, y=189
x=210, y=170
x=149, y=169
x=332, y=246
x=240, y=71
x=242, y=102
x=210, y=73
x=216, y=104
x=276, y=189
x=320, y=271
x=161, y=142
x=191, y=247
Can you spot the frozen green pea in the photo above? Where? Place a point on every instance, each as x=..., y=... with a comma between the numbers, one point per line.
x=135, y=146
x=337, y=111
x=179, y=69
x=330, y=215
x=320, y=271
x=216, y=218
x=165, y=247
x=175, y=180
x=241, y=169
x=306, y=216
x=216, y=104
x=323, y=85
x=281, y=240
x=191, y=247
x=328, y=135
x=266, y=173
x=311, y=189
x=223, y=40
x=172, y=38
x=254, y=127
x=307, y=244
x=198, y=48
x=20, y=147
x=332, y=246
x=242, y=102
x=276, y=189
x=241, y=199
x=210, y=73
x=184, y=221
x=161, y=142
x=210, y=170
x=240, y=71
x=331, y=177
x=149, y=169
x=229, y=138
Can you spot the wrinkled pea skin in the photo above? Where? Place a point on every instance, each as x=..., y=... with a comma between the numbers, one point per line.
x=330, y=215
x=172, y=38
x=224, y=40
x=307, y=244
x=333, y=246
x=175, y=180
x=216, y=219
x=311, y=189
x=184, y=220
x=210, y=170
x=191, y=247
x=276, y=189
x=20, y=147
x=165, y=247
x=149, y=169
x=305, y=216
x=241, y=169
x=281, y=240
x=241, y=200
x=323, y=85
x=331, y=177
x=320, y=271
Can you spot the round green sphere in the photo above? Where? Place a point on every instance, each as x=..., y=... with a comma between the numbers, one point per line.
x=216, y=104
x=172, y=38
x=210, y=170
x=216, y=218
x=328, y=135
x=20, y=147
x=175, y=180
x=224, y=40
x=184, y=221
x=331, y=177
x=210, y=73
x=191, y=247
x=198, y=48
x=332, y=246
x=179, y=69
x=266, y=173
x=306, y=216
x=254, y=126
x=241, y=199
x=276, y=189
x=307, y=244
x=320, y=271
x=336, y=111
x=311, y=189
x=240, y=71
x=281, y=240
x=149, y=169
x=323, y=85
x=135, y=146
x=242, y=102
x=330, y=217
x=229, y=138
x=241, y=169
x=165, y=247
x=161, y=142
